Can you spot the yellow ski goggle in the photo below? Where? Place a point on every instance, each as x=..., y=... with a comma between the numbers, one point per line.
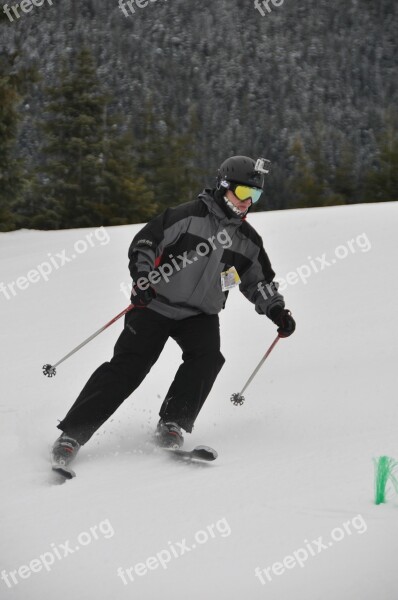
x=243, y=192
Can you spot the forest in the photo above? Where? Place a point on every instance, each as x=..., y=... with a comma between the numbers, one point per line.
x=107, y=119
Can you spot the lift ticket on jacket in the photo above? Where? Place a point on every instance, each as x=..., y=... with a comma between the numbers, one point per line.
x=229, y=279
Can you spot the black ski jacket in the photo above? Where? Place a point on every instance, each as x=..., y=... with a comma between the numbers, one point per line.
x=183, y=251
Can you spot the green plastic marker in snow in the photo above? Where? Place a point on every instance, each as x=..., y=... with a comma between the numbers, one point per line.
x=384, y=472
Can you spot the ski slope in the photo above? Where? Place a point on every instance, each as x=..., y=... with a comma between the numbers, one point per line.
x=294, y=474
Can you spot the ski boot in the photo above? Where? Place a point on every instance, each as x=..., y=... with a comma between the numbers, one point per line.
x=64, y=450
x=168, y=435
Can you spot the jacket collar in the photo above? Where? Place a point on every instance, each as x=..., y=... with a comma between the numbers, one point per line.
x=214, y=201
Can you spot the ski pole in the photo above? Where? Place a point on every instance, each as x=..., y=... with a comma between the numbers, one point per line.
x=50, y=370
x=238, y=398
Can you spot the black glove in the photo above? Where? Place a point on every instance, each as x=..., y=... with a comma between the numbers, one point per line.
x=141, y=297
x=283, y=318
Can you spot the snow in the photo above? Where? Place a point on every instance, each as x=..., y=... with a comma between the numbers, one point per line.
x=295, y=461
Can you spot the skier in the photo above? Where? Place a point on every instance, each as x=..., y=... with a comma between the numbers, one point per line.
x=183, y=263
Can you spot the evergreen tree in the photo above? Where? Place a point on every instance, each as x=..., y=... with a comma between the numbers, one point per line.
x=168, y=159
x=11, y=174
x=344, y=184
x=70, y=181
x=125, y=195
x=306, y=190
x=381, y=184
x=177, y=177
x=89, y=178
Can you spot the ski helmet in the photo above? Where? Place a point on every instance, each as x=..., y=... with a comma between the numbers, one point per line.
x=243, y=170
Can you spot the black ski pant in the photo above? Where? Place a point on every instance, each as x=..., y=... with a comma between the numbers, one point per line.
x=137, y=349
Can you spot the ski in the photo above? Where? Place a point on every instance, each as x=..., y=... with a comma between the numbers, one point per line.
x=199, y=453
x=202, y=453
x=64, y=471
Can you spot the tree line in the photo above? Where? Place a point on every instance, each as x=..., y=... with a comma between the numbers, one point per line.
x=91, y=170
x=114, y=122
